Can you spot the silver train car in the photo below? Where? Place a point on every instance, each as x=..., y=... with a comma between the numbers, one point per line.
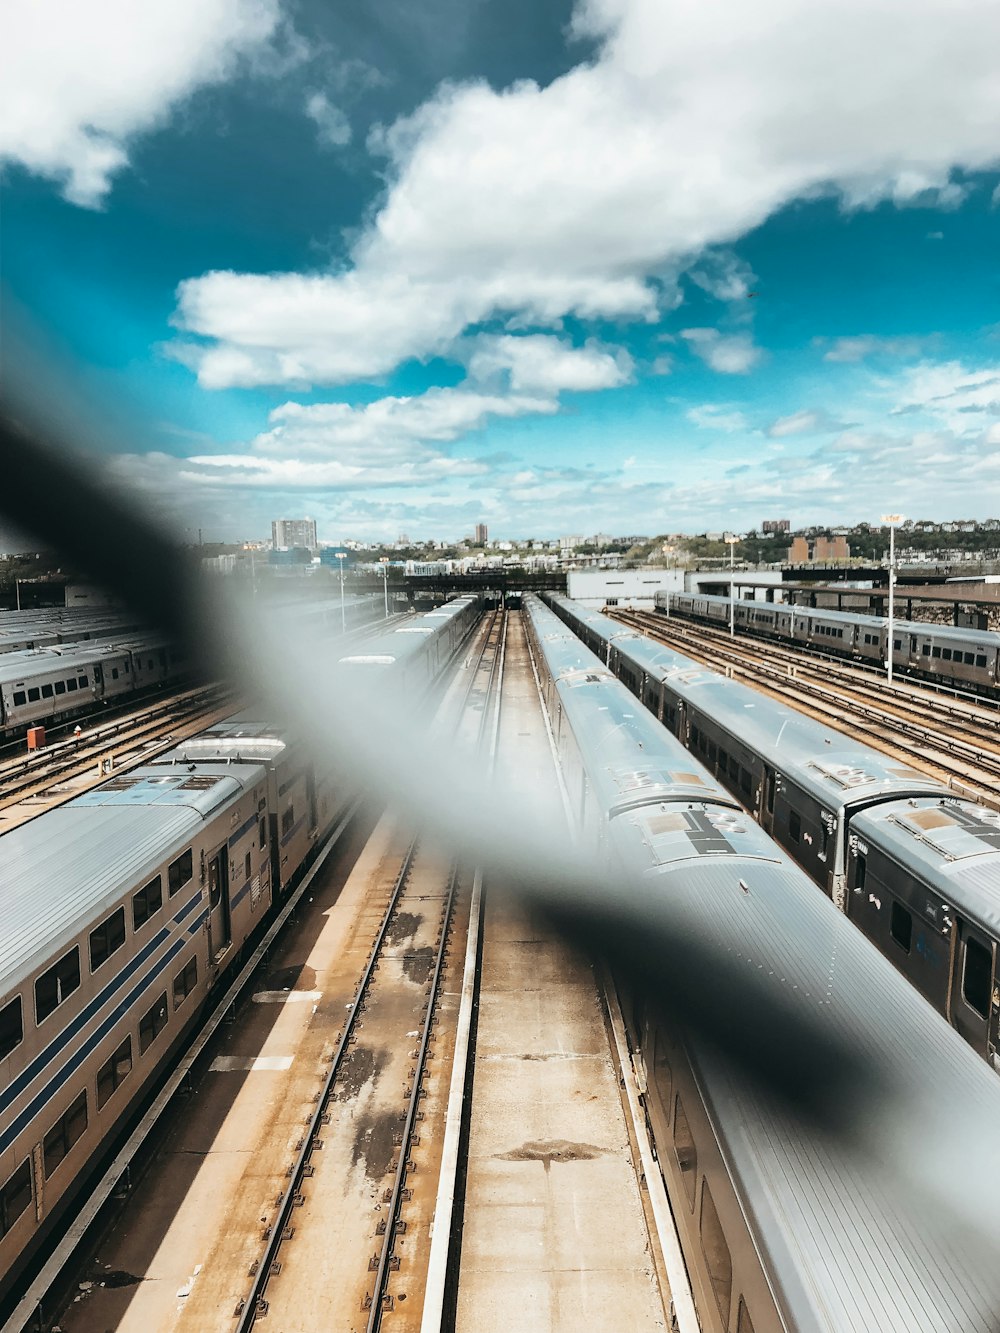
x=962, y=658
x=122, y=911
x=810, y=788
x=781, y=1231
x=44, y=628
x=46, y=686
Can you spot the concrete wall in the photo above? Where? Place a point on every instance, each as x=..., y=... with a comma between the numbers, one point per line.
x=622, y=587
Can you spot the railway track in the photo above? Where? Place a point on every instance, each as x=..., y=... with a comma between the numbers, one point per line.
x=958, y=743
x=114, y=747
x=390, y=1013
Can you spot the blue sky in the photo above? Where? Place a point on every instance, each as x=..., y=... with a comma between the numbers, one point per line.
x=619, y=266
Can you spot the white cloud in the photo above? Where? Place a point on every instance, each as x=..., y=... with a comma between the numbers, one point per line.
x=333, y=129
x=723, y=275
x=729, y=354
x=80, y=78
x=537, y=363
x=863, y=345
x=716, y=416
x=806, y=422
x=587, y=196
x=959, y=398
x=992, y=435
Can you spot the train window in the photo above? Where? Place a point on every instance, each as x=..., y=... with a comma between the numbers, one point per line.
x=684, y=1150
x=935, y=652
x=60, y=687
x=247, y=866
x=47, y=691
x=114, y=673
x=11, y=1027
x=824, y=841
x=107, y=939
x=33, y=695
x=716, y=1251
x=744, y=781
x=946, y=654
x=64, y=1133
x=981, y=660
x=71, y=685
x=15, y=1196
x=969, y=658
x=20, y=698
x=113, y=1073
x=263, y=833
x=287, y=821
x=897, y=644
x=734, y=767
x=977, y=978
x=612, y=601
x=148, y=900
x=794, y=825
x=179, y=872
x=926, y=650
x=185, y=982
x=860, y=873
x=83, y=681
x=770, y=792
x=901, y=926
x=152, y=1023
x=57, y=984
x=743, y=1324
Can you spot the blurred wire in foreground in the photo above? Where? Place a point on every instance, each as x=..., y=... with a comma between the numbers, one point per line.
x=940, y=1153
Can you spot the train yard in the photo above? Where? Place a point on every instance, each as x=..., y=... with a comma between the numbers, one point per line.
x=413, y=1106
x=955, y=739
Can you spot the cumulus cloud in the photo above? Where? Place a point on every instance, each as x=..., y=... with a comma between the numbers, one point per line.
x=690, y=126
x=729, y=354
x=863, y=345
x=79, y=79
x=538, y=363
x=333, y=129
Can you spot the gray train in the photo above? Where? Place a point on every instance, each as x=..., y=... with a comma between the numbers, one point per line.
x=43, y=629
x=782, y=1231
x=46, y=686
x=122, y=911
x=966, y=659
x=914, y=867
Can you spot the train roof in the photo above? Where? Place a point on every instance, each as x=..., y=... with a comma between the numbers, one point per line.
x=826, y=763
x=632, y=760
x=63, y=869
x=987, y=637
x=405, y=641
x=240, y=739
x=952, y=845
x=28, y=662
x=845, y=1249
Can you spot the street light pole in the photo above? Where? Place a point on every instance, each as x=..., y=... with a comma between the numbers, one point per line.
x=892, y=520
x=732, y=539
x=384, y=562
x=341, y=556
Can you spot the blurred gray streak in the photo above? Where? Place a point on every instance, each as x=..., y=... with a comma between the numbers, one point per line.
x=936, y=1154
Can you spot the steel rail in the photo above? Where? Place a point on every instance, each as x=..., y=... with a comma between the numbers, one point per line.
x=377, y=1306
x=255, y=1305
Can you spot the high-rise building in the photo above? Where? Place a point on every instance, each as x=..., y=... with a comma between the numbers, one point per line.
x=776, y=525
x=287, y=533
x=482, y=535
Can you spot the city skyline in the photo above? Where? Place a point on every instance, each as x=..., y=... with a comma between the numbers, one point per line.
x=285, y=256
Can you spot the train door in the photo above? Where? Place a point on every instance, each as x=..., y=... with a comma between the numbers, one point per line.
x=973, y=987
x=220, y=917
x=768, y=789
